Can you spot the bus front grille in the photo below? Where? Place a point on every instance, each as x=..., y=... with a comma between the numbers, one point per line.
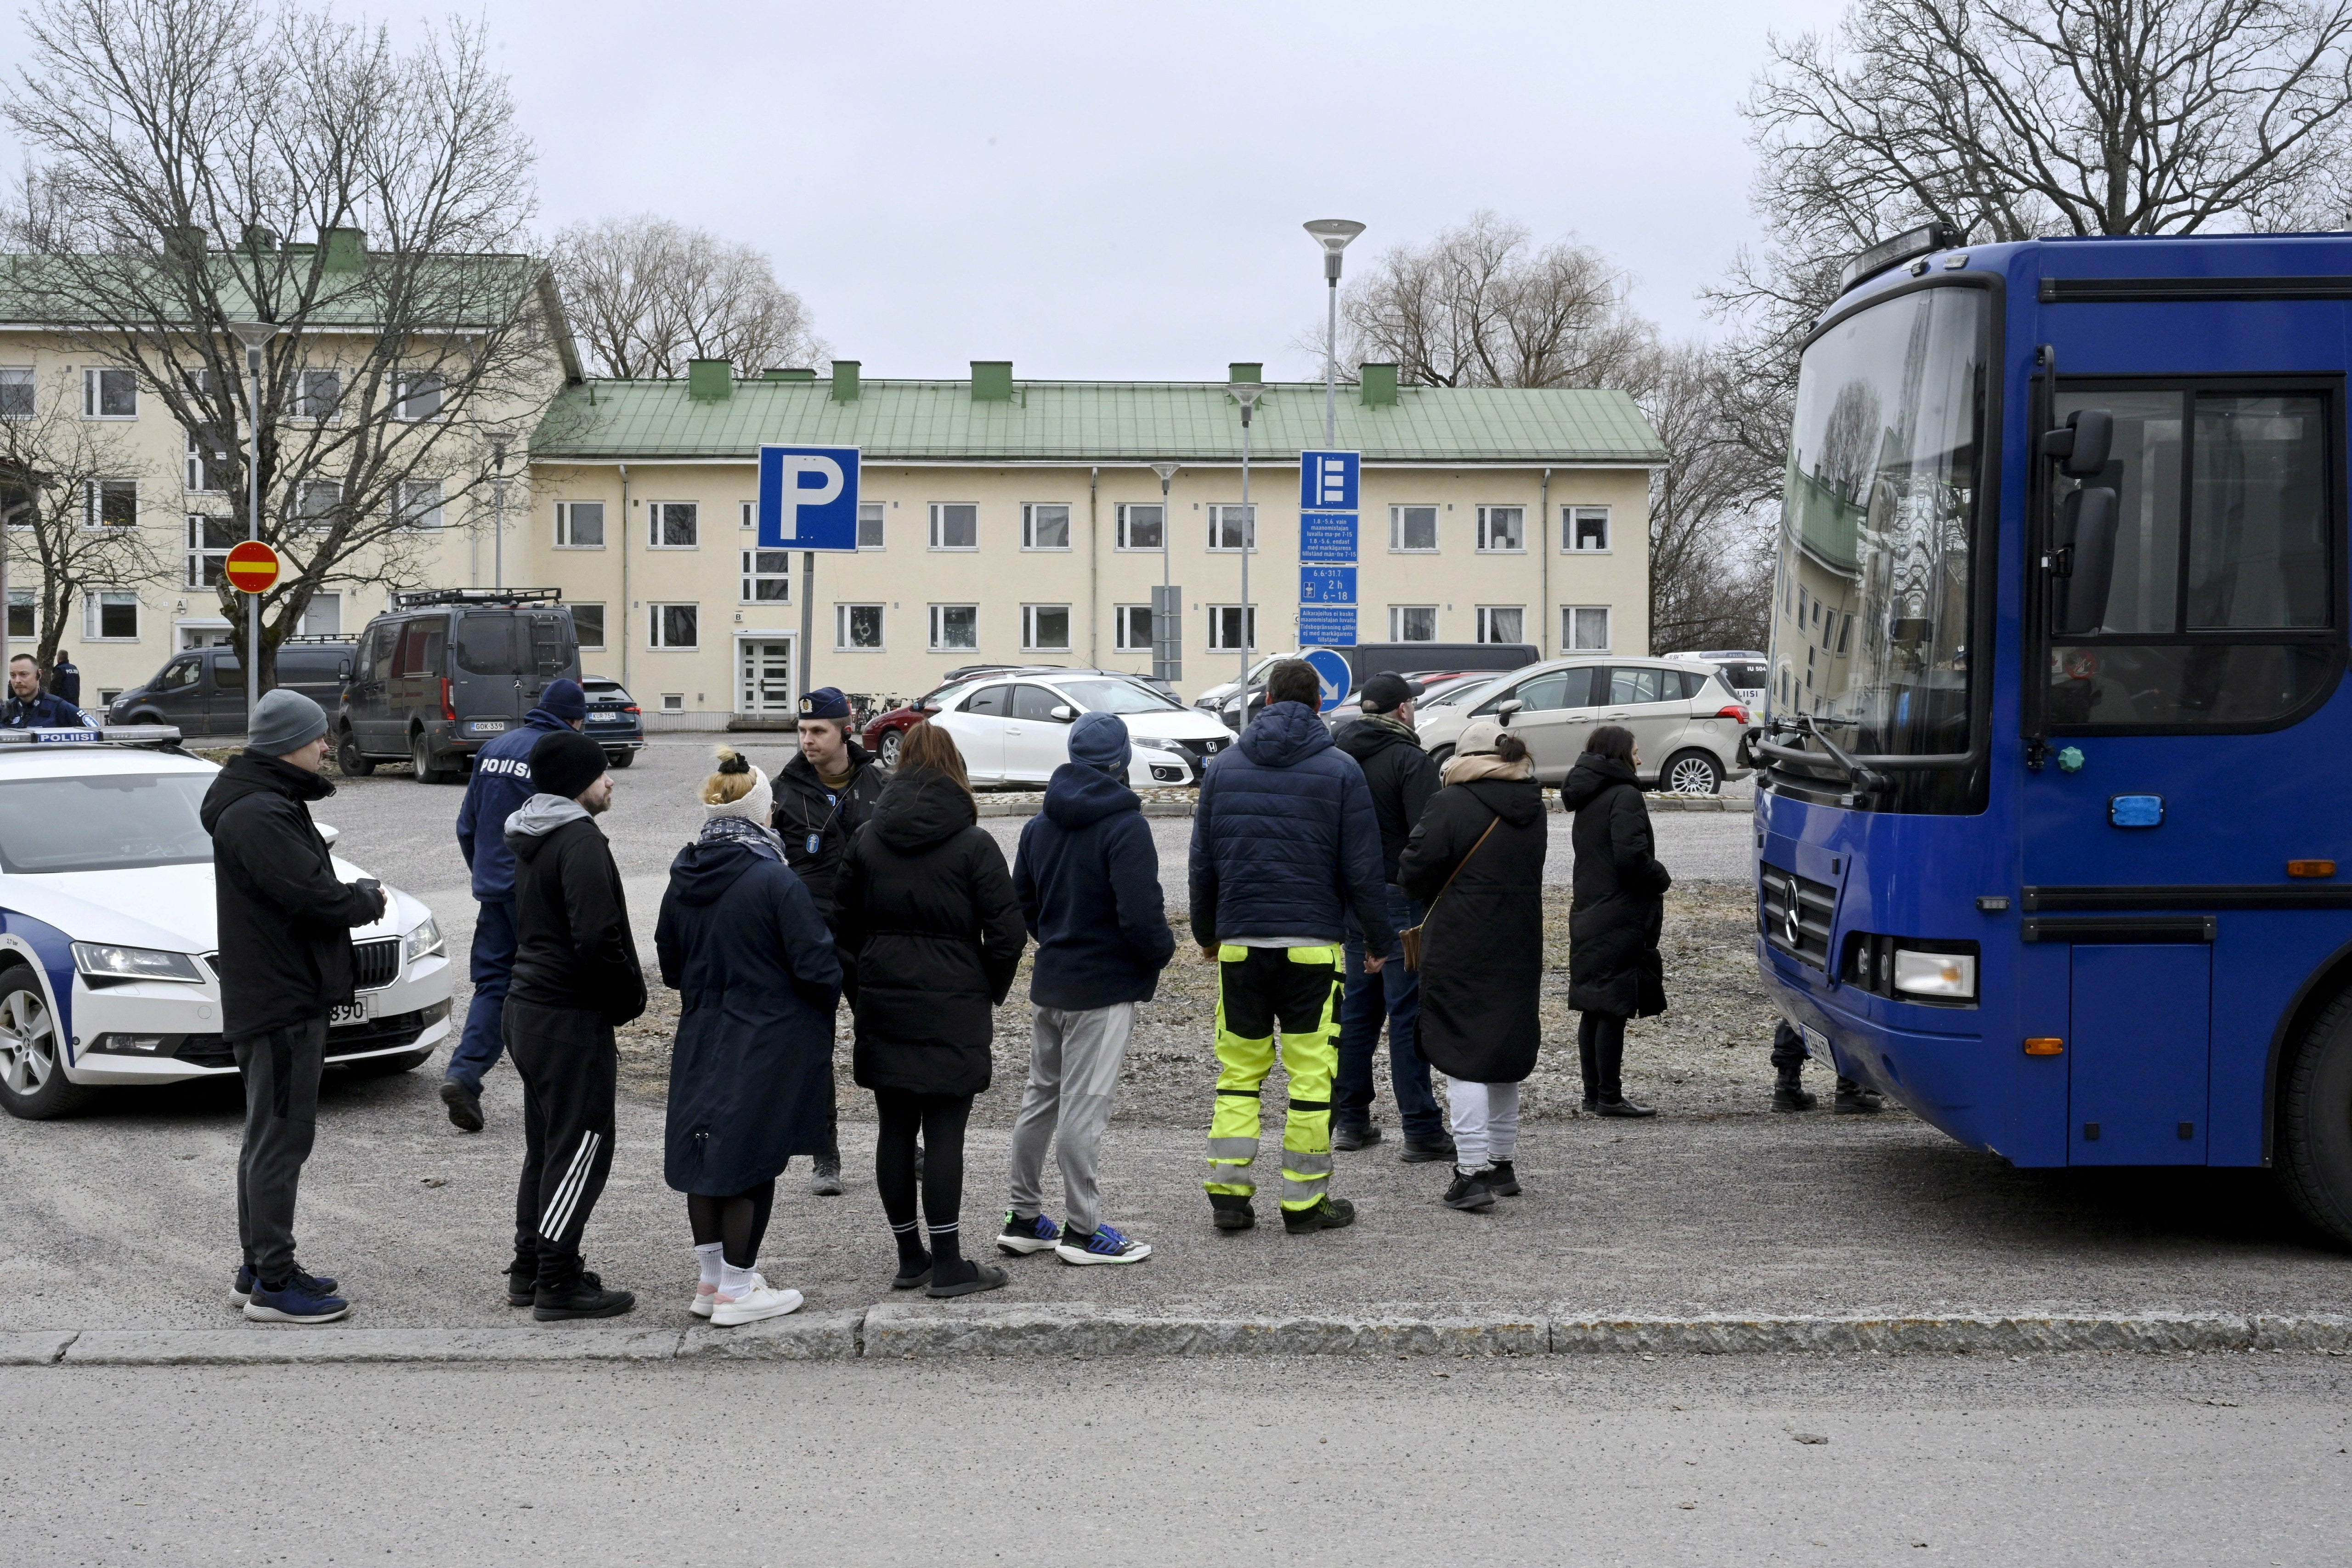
x=1794, y=915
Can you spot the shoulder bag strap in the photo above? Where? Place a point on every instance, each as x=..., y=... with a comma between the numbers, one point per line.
x=1459, y=864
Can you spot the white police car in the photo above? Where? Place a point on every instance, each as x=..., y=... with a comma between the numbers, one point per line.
x=106, y=923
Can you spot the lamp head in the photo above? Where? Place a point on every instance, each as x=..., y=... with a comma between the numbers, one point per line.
x=1165, y=471
x=253, y=334
x=1333, y=234
x=1246, y=392
x=499, y=454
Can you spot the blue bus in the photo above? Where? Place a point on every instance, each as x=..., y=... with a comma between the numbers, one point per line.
x=2054, y=838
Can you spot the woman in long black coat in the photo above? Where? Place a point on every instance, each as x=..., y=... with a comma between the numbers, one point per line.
x=926, y=904
x=1477, y=859
x=750, y=1075
x=1614, y=972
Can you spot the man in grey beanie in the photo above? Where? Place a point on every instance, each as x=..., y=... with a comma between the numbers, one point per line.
x=284, y=929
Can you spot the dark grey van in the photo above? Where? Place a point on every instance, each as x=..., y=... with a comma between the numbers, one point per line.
x=446, y=671
x=203, y=691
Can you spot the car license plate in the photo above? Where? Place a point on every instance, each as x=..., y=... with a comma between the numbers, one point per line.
x=348, y=1015
x=1817, y=1045
x=493, y=726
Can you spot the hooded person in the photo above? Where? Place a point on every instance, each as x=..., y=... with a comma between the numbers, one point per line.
x=926, y=906
x=1476, y=859
x=576, y=977
x=1088, y=876
x=750, y=1073
x=1614, y=971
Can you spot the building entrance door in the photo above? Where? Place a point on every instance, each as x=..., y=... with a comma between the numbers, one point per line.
x=764, y=676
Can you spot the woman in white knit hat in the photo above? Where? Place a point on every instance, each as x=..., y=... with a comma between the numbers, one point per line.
x=750, y=1075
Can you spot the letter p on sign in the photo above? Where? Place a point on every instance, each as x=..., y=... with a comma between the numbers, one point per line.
x=808, y=498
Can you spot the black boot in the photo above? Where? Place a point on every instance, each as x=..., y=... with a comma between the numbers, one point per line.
x=1503, y=1179
x=1621, y=1105
x=1855, y=1099
x=581, y=1295
x=1789, y=1094
x=1230, y=1211
x=522, y=1281
x=1472, y=1192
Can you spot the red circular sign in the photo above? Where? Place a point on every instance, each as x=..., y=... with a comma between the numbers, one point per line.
x=252, y=567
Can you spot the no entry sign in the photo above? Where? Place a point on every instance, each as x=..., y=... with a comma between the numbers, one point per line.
x=252, y=567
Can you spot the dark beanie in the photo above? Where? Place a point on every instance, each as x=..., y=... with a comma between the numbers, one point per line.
x=566, y=763
x=825, y=702
x=565, y=700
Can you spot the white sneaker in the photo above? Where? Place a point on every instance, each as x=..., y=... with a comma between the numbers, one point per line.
x=704, y=1298
x=762, y=1300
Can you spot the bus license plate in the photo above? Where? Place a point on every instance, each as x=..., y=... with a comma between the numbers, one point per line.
x=1817, y=1045
x=349, y=1015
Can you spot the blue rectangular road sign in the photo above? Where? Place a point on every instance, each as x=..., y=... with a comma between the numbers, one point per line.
x=1326, y=585
x=1327, y=536
x=1327, y=625
x=1327, y=480
x=808, y=498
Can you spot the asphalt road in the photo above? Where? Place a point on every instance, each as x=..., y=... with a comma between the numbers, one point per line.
x=1809, y=1459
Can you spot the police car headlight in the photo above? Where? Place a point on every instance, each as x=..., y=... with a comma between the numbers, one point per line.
x=103, y=960
x=1950, y=976
x=424, y=941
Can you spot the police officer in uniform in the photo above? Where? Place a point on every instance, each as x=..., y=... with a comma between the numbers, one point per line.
x=27, y=707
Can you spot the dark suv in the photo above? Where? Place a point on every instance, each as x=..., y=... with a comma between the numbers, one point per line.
x=203, y=691
x=615, y=720
x=446, y=671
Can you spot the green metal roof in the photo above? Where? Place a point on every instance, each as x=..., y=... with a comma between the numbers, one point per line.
x=1093, y=421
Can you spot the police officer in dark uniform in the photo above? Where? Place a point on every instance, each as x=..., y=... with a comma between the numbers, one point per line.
x=823, y=797
x=27, y=707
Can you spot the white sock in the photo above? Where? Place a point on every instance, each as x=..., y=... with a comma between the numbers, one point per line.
x=734, y=1283
x=707, y=1257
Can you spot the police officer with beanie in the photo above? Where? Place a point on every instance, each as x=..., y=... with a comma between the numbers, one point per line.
x=824, y=796
x=285, y=931
x=576, y=977
x=501, y=781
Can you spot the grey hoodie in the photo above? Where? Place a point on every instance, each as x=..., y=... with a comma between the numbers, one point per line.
x=542, y=815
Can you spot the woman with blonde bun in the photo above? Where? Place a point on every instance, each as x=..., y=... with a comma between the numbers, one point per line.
x=750, y=1077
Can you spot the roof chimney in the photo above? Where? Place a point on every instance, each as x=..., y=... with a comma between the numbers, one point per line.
x=1249, y=373
x=184, y=244
x=346, y=248
x=845, y=381
x=992, y=380
x=710, y=380
x=1380, y=386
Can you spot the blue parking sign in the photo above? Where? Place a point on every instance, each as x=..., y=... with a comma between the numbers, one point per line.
x=1326, y=585
x=808, y=498
x=1327, y=480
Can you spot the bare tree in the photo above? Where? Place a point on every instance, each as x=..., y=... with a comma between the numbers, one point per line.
x=71, y=496
x=1710, y=575
x=648, y=295
x=412, y=338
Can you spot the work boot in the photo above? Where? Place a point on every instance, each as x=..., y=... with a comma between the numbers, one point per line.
x=1327, y=1214
x=1439, y=1151
x=824, y=1176
x=1471, y=1192
x=1621, y=1105
x=1789, y=1094
x=584, y=1297
x=465, y=1103
x=1503, y=1179
x=1347, y=1137
x=1230, y=1213
x=1853, y=1100
x=522, y=1281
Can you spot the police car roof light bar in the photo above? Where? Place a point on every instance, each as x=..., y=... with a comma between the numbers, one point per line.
x=106, y=735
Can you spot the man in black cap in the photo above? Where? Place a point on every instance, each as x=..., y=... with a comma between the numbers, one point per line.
x=575, y=977
x=823, y=797
x=1401, y=778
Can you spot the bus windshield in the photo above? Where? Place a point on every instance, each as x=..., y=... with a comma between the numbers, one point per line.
x=1870, y=622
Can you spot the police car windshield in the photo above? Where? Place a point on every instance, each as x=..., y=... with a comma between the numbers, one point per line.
x=1116, y=697
x=109, y=822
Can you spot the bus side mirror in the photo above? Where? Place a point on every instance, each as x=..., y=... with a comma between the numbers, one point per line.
x=2085, y=564
x=2080, y=448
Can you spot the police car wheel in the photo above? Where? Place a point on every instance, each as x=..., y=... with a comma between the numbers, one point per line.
x=33, y=1082
x=349, y=759
x=2316, y=1122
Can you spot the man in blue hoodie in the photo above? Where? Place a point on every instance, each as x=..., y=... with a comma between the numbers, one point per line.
x=1285, y=844
x=1088, y=878
x=501, y=781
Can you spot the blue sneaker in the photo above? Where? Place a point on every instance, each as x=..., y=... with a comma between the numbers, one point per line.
x=1105, y=1246
x=293, y=1304
x=311, y=1284
x=1022, y=1236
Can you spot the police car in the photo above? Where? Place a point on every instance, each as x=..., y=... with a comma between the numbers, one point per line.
x=107, y=961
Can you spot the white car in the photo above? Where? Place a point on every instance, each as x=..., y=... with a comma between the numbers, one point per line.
x=1686, y=721
x=1016, y=729
x=107, y=930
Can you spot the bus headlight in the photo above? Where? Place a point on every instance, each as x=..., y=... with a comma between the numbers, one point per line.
x=1950, y=976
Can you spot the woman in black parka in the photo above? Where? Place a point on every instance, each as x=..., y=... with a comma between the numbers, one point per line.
x=1614, y=972
x=750, y=1075
x=926, y=904
x=1477, y=859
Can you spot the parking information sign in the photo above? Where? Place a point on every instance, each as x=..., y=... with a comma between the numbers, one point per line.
x=1327, y=480
x=1327, y=536
x=1326, y=585
x=1330, y=669
x=1327, y=503
x=808, y=498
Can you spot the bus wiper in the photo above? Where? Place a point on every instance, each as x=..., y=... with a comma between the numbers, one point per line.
x=1867, y=780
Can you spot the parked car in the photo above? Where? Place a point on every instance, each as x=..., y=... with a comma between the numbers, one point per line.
x=444, y=672
x=1686, y=721
x=202, y=692
x=1746, y=670
x=1435, y=684
x=108, y=940
x=1368, y=659
x=1016, y=731
x=615, y=720
x=885, y=731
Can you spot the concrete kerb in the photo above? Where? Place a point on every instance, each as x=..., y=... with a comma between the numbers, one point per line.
x=899, y=1332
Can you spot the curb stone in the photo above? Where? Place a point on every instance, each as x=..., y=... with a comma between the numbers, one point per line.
x=297, y=1345
x=801, y=1336
x=1956, y=1335
x=917, y=1331
x=41, y=1348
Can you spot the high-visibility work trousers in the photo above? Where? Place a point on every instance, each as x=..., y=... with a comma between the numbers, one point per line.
x=1260, y=989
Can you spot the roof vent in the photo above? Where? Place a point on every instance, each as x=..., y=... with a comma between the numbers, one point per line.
x=774, y=373
x=845, y=381
x=710, y=380
x=1249, y=373
x=1379, y=384
x=184, y=244
x=346, y=248
x=992, y=380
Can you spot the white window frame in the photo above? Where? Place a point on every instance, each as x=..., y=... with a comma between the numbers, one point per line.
x=752, y=577
x=1216, y=515
x=655, y=633
x=1216, y=627
x=300, y=399
x=565, y=525
x=654, y=525
x=1029, y=643
x=93, y=397
x=1486, y=614
x=1486, y=545
x=404, y=393
x=19, y=376
x=879, y=516
x=196, y=552
x=94, y=503
x=599, y=608
x=938, y=644
x=200, y=470
x=94, y=601
x=1569, y=516
x=1397, y=546
x=1123, y=619
x=1568, y=613
x=841, y=614
x=1029, y=511
x=333, y=598
x=32, y=602
x=1124, y=524
x=750, y=510
x=304, y=517
x=939, y=515
x=1397, y=613
x=419, y=519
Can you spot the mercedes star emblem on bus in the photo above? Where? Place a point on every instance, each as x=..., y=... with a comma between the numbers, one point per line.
x=1790, y=924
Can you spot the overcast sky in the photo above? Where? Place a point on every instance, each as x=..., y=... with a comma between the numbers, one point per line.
x=1114, y=190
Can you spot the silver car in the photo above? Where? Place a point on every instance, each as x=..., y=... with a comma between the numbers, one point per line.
x=1686, y=721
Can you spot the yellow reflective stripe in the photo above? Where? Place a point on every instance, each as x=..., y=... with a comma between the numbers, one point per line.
x=1232, y=952
x=1329, y=956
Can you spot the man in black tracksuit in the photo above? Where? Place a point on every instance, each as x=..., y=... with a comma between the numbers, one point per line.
x=575, y=977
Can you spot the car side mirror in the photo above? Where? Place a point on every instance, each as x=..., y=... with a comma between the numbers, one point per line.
x=342, y=669
x=1507, y=710
x=1062, y=713
x=2084, y=565
x=930, y=707
x=328, y=834
x=2082, y=448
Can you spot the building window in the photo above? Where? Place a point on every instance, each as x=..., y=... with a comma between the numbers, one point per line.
x=1413, y=528
x=857, y=627
x=1226, y=626
x=767, y=576
x=209, y=539
x=1502, y=623
x=22, y=622
x=207, y=462
x=1134, y=624
x=1584, y=528
x=1584, y=628
x=672, y=524
x=1044, y=628
x=1413, y=623
x=316, y=502
x=110, y=615
x=113, y=503
x=420, y=505
x=110, y=394
x=1142, y=526
x=954, y=526
x=750, y=510
x=676, y=626
x=1503, y=530
x=1230, y=526
x=323, y=616
x=15, y=392
x=580, y=525
x=314, y=393
x=588, y=625
x=955, y=629
x=1044, y=527
x=869, y=525
x=416, y=396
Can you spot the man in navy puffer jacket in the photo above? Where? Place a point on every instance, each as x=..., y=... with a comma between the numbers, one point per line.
x=1285, y=845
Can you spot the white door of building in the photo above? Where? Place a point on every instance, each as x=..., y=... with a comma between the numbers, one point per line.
x=764, y=676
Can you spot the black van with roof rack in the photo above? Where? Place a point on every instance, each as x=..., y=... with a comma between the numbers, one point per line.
x=446, y=671
x=201, y=691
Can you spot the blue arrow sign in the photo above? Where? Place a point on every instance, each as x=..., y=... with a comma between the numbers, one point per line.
x=1326, y=585
x=1330, y=670
x=1327, y=536
x=808, y=498
x=1327, y=480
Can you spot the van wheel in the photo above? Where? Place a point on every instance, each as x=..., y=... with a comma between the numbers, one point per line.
x=1691, y=772
x=2316, y=1122
x=420, y=760
x=619, y=759
x=32, y=1083
x=147, y=716
x=349, y=760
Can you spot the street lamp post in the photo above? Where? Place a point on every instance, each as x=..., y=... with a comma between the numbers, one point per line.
x=1163, y=667
x=1333, y=234
x=1246, y=394
x=499, y=511
x=253, y=336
